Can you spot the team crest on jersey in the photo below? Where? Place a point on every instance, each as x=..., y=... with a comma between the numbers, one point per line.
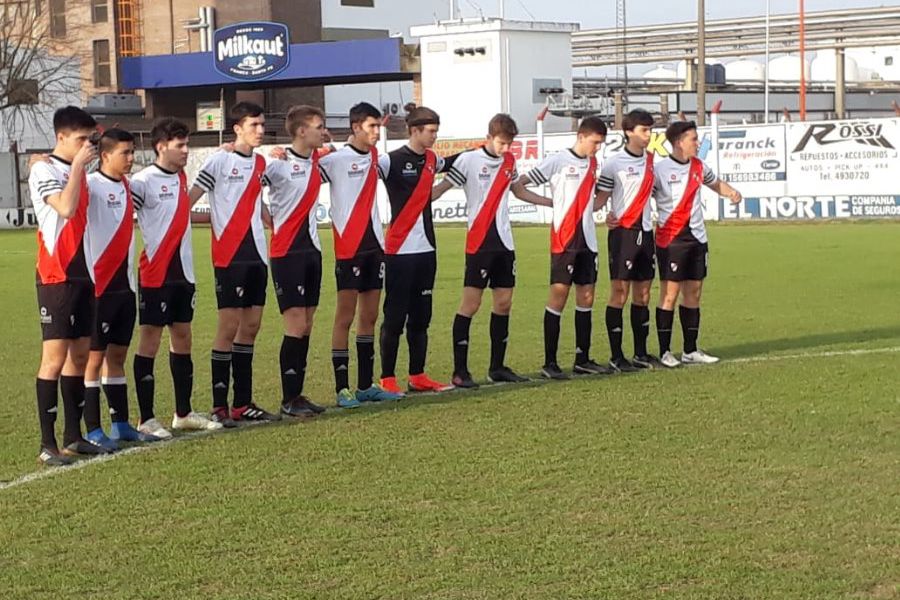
x=673, y=177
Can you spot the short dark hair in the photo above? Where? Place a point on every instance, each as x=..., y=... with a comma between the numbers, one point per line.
x=502, y=124
x=301, y=115
x=243, y=110
x=591, y=125
x=421, y=116
x=72, y=118
x=112, y=137
x=678, y=129
x=638, y=116
x=362, y=111
x=167, y=129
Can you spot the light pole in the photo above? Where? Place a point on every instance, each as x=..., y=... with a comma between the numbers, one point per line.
x=701, y=62
x=766, y=93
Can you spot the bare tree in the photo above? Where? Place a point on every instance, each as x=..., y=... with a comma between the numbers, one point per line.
x=33, y=79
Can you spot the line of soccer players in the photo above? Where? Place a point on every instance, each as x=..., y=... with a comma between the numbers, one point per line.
x=86, y=282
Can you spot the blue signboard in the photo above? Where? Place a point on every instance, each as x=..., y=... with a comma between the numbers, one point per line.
x=251, y=51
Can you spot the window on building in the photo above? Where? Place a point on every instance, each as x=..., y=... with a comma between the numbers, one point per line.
x=58, y=18
x=99, y=11
x=102, y=74
x=366, y=3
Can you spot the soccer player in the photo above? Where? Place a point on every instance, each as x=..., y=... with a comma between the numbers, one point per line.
x=627, y=178
x=572, y=175
x=232, y=182
x=166, y=277
x=109, y=252
x=352, y=173
x=486, y=175
x=295, y=250
x=411, y=259
x=64, y=290
x=681, y=242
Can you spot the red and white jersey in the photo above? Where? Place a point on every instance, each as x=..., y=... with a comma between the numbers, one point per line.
x=233, y=185
x=630, y=179
x=60, y=249
x=293, y=199
x=353, y=178
x=486, y=179
x=678, y=190
x=164, y=215
x=109, y=235
x=573, y=181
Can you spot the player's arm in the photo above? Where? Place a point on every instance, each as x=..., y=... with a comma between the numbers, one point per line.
x=440, y=189
x=455, y=177
x=726, y=191
x=196, y=193
x=66, y=201
x=521, y=192
x=205, y=181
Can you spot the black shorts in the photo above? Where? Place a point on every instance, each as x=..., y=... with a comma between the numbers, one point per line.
x=66, y=309
x=631, y=255
x=297, y=279
x=114, y=316
x=171, y=303
x=241, y=285
x=408, y=286
x=685, y=259
x=364, y=272
x=574, y=266
x=490, y=269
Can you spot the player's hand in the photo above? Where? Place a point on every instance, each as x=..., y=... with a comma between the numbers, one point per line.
x=611, y=221
x=735, y=197
x=278, y=153
x=227, y=147
x=85, y=156
x=36, y=158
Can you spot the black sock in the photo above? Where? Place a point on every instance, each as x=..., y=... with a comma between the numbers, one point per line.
x=365, y=357
x=145, y=385
x=461, y=326
x=340, y=361
x=499, y=338
x=242, y=374
x=221, y=377
x=288, y=359
x=301, y=363
x=71, y=389
x=418, y=349
x=182, y=368
x=389, y=343
x=583, y=326
x=91, y=410
x=116, y=391
x=614, y=331
x=47, y=392
x=640, y=328
x=551, y=335
x=664, y=320
x=690, y=327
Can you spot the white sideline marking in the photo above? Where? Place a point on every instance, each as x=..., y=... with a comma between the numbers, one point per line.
x=81, y=464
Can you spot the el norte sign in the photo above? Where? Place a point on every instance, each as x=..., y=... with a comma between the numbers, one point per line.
x=251, y=51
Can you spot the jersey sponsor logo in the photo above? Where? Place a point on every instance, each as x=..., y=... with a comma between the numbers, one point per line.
x=164, y=193
x=46, y=317
x=409, y=170
x=113, y=201
x=355, y=171
x=251, y=51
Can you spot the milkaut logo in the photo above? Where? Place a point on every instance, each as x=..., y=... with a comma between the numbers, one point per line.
x=251, y=51
x=825, y=134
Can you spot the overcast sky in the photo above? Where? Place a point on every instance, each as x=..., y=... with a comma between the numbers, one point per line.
x=602, y=13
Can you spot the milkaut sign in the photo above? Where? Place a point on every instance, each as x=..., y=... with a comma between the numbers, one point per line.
x=251, y=51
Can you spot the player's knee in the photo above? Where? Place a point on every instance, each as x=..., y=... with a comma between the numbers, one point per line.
x=502, y=306
x=181, y=341
x=618, y=296
x=585, y=297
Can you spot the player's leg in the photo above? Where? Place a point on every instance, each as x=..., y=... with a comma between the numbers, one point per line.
x=398, y=284
x=289, y=278
x=228, y=320
x=623, y=249
x=53, y=357
x=689, y=312
x=149, y=338
x=369, y=303
x=71, y=382
x=502, y=275
x=92, y=383
x=344, y=313
x=665, y=319
x=556, y=302
x=294, y=322
x=312, y=286
x=462, y=323
x=244, y=409
x=585, y=280
x=640, y=323
x=418, y=322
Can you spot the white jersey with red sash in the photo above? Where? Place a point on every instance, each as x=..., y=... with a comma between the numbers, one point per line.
x=164, y=213
x=629, y=178
x=233, y=184
x=109, y=235
x=572, y=180
x=353, y=179
x=678, y=190
x=60, y=250
x=486, y=179
x=411, y=230
x=294, y=185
